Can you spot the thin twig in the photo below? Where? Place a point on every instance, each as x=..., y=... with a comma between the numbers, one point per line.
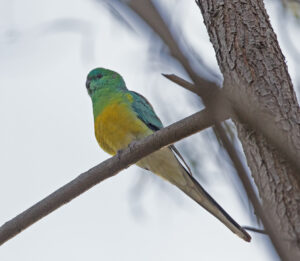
x=257, y=230
x=246, y=110
x=185, y=84
x=271, y=229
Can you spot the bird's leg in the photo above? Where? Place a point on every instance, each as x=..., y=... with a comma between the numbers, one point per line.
x=132, y=145
x=119, y=153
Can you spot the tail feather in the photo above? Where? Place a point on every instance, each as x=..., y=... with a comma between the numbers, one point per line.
x=165, y=164
x=206, y=201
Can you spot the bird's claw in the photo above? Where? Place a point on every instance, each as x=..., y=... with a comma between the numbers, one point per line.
x=132, y=144
x=119, y=152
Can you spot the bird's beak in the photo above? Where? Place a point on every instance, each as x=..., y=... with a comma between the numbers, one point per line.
x=87, y=84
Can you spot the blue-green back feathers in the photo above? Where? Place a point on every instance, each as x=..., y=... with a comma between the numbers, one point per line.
x=145, y=111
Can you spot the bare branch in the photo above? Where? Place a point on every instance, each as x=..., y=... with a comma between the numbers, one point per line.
x=272, y=231
x=104, y=170
x=148, y=13
x=246, y=110
x=185, y=84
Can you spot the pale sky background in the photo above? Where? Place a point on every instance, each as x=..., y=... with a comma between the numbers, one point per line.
x=47, y=139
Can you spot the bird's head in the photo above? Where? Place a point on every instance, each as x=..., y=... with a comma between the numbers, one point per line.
x=103, y=78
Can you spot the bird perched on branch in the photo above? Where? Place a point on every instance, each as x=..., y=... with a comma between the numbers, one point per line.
x=122, y=116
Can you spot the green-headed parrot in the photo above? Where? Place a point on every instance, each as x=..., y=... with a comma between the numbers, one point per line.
x=122, y=116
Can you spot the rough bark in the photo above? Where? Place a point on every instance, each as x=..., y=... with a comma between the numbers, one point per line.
x=253, y=66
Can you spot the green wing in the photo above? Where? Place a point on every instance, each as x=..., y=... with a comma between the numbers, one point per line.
x=145, y=111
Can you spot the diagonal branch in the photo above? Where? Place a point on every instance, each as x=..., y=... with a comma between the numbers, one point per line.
x=247, y=110
x=108, y=168
x=183, y=83
x=272, y=231
x=148, y=13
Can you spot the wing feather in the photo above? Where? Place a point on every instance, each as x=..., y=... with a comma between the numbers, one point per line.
x=145, y=111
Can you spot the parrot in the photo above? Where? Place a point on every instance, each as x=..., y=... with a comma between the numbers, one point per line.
x=122, y=116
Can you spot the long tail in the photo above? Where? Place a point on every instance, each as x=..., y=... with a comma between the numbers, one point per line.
x=197, y=192
x=165, y=164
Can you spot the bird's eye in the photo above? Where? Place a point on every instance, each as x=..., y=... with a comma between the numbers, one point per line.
x=99, y=76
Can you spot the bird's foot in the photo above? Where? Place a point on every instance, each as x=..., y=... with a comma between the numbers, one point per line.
x=132, y=145
x=119, y=153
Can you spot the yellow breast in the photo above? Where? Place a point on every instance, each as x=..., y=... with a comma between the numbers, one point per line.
x=117, y=126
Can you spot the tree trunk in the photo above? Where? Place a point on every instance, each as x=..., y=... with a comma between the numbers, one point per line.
x=253, y=65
